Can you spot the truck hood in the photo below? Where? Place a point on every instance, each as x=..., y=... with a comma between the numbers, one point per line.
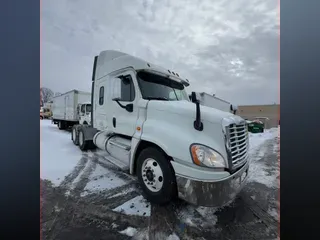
x=188, y=109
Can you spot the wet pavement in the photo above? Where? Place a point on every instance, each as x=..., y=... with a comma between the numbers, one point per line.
x=67, y=213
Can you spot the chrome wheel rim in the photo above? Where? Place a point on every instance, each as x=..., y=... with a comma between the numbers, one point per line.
x=152, y=175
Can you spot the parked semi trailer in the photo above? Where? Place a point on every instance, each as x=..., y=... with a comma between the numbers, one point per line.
x=143, y=119
x=71, y=108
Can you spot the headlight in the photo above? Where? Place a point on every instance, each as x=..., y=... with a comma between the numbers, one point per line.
x=205, y=156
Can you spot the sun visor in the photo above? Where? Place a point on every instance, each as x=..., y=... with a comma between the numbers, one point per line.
x=185, y=82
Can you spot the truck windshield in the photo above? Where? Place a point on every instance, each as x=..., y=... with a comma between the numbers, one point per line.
x=155, y=87
x=88, y=108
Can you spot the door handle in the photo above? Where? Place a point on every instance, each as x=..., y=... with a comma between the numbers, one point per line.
x=114, y=122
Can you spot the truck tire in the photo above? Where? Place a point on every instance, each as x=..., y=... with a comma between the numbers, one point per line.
x=84, y=144
x=156, y=176
x=74, y=136
x=60, y=125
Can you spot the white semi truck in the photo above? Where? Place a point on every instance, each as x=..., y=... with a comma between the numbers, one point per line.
x=70, y=108
x=143, y=119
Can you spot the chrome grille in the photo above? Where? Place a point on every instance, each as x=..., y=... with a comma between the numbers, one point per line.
x=238, y=143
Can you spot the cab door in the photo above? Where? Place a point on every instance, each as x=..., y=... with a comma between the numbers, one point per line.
x=100, y=106
x=124, y=103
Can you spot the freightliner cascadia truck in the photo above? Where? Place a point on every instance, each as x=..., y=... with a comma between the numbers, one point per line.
x=143, y=119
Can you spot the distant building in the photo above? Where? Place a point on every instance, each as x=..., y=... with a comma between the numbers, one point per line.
x=272, y=112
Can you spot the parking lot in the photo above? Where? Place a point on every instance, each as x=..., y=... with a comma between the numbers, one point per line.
x=83, y=196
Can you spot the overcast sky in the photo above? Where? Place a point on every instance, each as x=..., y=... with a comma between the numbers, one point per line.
x=225, y=47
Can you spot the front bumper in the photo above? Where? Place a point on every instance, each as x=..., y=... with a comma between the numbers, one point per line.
x=212, y=193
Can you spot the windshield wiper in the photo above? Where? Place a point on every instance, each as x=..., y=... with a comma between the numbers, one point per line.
x=156, y=98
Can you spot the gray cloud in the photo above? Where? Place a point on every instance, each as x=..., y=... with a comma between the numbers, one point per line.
x=225, y=47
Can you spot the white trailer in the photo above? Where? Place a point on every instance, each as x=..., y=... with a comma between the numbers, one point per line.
x=144, y=121
x=214, y=102
x=71, y=108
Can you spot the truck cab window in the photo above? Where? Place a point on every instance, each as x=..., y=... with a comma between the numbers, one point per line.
x=127, y=89
x=156, y=87
x=83, y=108
x=101, y=96
x=88, y=108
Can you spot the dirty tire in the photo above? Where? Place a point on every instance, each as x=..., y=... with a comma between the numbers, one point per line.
x=60, y=125
x=168, y=190
x=74, y=136
x=83, y=143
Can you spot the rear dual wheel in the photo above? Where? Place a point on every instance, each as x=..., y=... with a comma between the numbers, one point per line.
x=84, y=144
x=74, y=136
x=61, y=125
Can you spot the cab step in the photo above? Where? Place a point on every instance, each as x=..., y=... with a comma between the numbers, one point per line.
x=123, y=166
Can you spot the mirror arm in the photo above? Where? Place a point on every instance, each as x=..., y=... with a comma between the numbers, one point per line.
x=128, y=107
x=122, y=106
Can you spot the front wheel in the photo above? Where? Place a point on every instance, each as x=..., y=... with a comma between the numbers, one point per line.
x=156, y=176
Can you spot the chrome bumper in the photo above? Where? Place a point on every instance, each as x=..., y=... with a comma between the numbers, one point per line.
x=212, y=193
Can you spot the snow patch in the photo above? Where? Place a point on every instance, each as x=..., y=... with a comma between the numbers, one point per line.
x=67, y=193
x=261, y=153
x=102, y=179
x=124, y=192
x=259, y=171
x=201, y=216
x=78, y=178
x=136, y=206
x=257, y=139
x=105, y=183
x=130, y=231
x=276, y=146
x=273, y=212
x=57, y=209
x=173, y=237
x=113, y=225
x=59, y=156
x=142, y=234
x=90, y=154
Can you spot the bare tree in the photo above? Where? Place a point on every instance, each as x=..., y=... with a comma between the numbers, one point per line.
x=46, y=93
x=57, y=94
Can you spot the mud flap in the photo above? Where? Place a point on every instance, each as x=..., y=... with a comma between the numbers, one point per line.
x=88, y=132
